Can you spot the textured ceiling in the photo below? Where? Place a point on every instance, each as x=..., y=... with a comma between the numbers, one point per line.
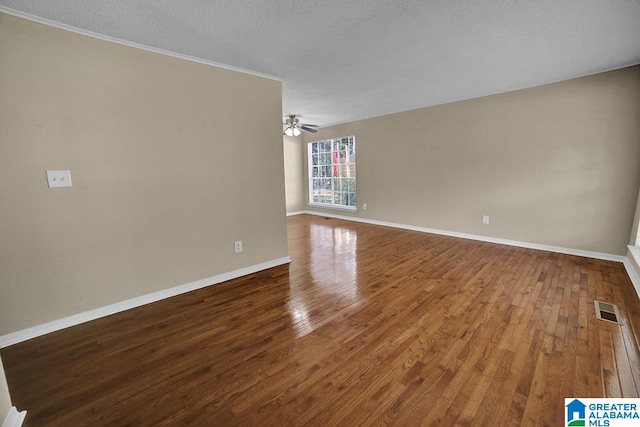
x=346, y=60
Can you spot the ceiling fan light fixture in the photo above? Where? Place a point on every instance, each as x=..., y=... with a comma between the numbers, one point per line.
x=292, y=131
x=293, y=127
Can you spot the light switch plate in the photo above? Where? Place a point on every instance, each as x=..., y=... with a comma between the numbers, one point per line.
x=59, y=178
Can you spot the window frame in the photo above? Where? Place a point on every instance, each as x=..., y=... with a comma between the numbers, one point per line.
x=332, y=167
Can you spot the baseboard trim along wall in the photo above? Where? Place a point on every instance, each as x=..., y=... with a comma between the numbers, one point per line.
x=76, y=319
x=14, y=418
x=633, y=276
x=56, y=325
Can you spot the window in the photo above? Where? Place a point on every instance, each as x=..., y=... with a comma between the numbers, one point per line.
x=332, y=173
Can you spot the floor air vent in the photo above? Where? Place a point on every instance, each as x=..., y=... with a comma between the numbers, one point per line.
x=607, y=312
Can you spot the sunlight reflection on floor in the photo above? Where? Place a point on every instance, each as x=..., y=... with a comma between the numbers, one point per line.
x=334, y=271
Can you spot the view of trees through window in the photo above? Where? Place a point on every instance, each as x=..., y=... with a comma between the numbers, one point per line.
x=332, y=172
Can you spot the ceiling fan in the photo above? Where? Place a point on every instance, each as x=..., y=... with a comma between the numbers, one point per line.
x=292, y=126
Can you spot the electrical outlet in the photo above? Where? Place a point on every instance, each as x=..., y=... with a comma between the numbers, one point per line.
x=58, y=178
x=364, y=206
x=238, y=246
x=485, y=219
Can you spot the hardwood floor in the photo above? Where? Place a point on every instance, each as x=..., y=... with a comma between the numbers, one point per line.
x=367, y=326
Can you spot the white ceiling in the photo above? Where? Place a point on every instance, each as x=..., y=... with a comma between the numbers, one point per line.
x=342, y=60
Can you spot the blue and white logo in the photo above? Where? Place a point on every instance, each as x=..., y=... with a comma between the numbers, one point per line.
x=575, y=413
x=602, y=412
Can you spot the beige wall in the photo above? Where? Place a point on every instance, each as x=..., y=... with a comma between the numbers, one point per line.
x=557, y=164
x=171, y=162
x=5, y=399
x=294, y=172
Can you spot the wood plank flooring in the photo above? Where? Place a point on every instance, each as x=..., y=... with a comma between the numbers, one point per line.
x=367, y=326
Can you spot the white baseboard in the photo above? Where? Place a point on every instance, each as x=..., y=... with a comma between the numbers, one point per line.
x=56, y=325
x=14, y=418
x=557, y=249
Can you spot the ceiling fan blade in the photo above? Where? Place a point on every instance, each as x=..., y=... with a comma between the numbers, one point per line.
x=304, y=127
x=307, y=124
